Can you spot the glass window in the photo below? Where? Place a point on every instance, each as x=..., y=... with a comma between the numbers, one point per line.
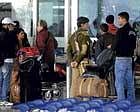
x=88, y=8
x=23, y=13
x=116, y=6
x=53, y=12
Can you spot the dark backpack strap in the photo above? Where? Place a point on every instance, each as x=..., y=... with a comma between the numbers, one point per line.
x=54, y=40
x=47, y=41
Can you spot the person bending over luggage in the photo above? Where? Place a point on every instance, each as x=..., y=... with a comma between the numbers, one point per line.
x=78, y=51
x=46, y=43
x=105, y=41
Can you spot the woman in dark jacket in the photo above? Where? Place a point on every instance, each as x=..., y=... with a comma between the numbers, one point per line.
x=45, y=43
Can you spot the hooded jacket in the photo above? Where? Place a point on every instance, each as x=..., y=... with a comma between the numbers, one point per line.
x=45, y=44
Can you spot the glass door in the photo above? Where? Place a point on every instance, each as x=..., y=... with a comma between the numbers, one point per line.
x=53, y=12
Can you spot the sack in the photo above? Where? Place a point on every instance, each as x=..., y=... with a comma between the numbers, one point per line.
x=15, y=93
x=105, y=58
x=92, y=86
x=14, y=85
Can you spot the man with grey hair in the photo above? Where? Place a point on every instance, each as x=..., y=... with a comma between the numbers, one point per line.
x=46, y=43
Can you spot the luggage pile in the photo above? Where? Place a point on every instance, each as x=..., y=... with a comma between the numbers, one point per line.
x=31, y=79
x=76, y=105
x=25, y=81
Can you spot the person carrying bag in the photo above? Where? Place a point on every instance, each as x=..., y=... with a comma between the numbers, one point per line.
x=78, y=52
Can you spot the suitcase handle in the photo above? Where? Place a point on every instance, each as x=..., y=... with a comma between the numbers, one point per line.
x=27, y=65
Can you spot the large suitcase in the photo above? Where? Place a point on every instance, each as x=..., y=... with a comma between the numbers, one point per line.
x=30, y=82
x=92, y=86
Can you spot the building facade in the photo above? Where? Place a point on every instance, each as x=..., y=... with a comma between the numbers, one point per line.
x=61, y=15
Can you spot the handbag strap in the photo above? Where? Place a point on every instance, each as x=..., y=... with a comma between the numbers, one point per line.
x=46, y=43
x=81, y=84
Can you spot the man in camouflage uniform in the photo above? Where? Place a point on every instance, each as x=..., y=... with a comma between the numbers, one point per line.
x=78, y=50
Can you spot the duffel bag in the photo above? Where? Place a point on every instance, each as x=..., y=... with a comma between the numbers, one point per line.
x=92, y=86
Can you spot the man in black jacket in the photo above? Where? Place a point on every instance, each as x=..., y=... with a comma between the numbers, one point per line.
x=8, y=43
x=124, y=47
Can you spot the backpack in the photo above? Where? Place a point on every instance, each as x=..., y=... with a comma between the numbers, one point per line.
x=55, y=41
x=104, y=57
x=105, y=60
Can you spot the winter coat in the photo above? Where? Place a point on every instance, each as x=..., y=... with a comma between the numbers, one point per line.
x=125, y=42
x=8, y=43
x=45, y=44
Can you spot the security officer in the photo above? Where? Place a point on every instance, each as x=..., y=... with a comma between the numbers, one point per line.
x=78, y=51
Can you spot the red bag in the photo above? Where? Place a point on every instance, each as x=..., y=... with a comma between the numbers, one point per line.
x=29, y=52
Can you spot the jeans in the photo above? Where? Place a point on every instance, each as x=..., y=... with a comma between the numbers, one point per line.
x=124, y=78
x=5, y=75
